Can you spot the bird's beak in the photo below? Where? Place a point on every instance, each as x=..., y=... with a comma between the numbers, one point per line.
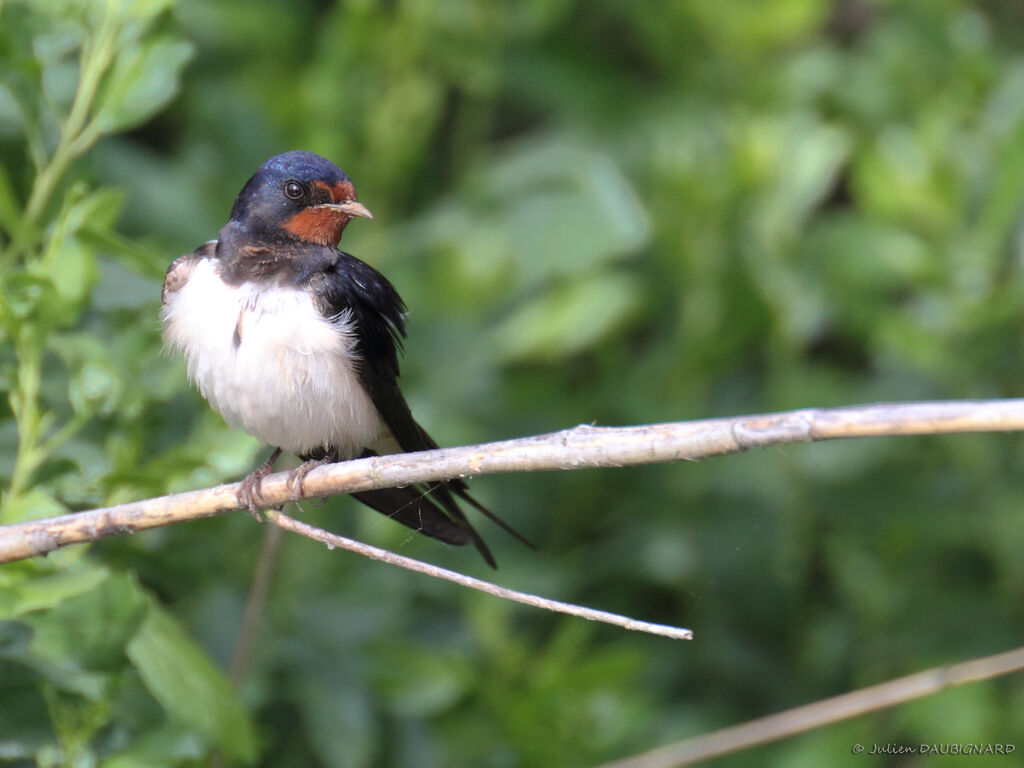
x=352, y=208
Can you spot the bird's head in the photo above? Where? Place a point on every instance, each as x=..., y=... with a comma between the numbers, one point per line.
x=298, y=195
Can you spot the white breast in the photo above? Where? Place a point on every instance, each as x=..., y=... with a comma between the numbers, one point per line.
x=290, y=380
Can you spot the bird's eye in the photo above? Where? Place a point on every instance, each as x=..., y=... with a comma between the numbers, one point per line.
x=293, y=189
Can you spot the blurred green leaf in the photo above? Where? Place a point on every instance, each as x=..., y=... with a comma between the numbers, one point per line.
x=20, y=595
x=418, y=681
x=95, y=210
x=185, y=682
x=24, y=720
x=165, y=746
x=15, y=638
x=93, y=627
x=23, y=294
x=37, y=503
x=568, y=318
x=73, y=271
x=338, y=716
x=94, y=388
x=547, y=209
x=143, y=80
x=143, y=10
x=10, y=213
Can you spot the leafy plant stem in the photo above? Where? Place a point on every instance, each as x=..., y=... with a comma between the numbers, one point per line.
x=25, y=405
x=75, y=135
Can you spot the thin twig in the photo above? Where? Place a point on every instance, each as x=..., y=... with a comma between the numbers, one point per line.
x=577, y=448
x=333, y=541
x=793, y=721
x=252, y=616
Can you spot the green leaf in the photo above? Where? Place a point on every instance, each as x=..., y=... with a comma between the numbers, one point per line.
x=551, y=197
x=568, y=319
x=72, y=268
x=15, y=638
x=96, y=387
x=34, y=504
x=143, y=80
x=146, y=9
x=96, y=210
x=339, y=719
x=415, y=681
x=188, y=685
x=22, y=293
x=91, y=629
x=21, y=591
x=164, y=747
x=545, y=211
x=807, y=157
x=11, y=116
x=24, y=720
x=10, y=208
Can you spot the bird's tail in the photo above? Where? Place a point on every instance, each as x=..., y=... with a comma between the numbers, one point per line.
x=412, y=506
x=433, y=510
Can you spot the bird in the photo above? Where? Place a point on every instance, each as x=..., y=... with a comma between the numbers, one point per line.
x=297, y=342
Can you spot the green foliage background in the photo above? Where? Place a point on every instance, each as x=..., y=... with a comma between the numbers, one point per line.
x=598, y=212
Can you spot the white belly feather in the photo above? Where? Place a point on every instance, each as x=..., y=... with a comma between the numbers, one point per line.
x=290, y=381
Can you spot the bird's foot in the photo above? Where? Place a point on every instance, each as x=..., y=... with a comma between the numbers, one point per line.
x=249, y=494
x=298, y=475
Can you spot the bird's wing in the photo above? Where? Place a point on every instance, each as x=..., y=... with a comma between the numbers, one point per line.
x=378, y=315
x=181, y=269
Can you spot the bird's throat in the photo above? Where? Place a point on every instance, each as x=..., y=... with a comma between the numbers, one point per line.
x=321, y=226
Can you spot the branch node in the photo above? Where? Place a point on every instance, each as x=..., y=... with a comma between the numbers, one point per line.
x=762, y=431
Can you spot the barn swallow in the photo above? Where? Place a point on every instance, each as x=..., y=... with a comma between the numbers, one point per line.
x=297, y=342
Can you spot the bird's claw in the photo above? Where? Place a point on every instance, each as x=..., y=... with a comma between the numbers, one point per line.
x=297, y=476
x=250, y=489
x=249, y=494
